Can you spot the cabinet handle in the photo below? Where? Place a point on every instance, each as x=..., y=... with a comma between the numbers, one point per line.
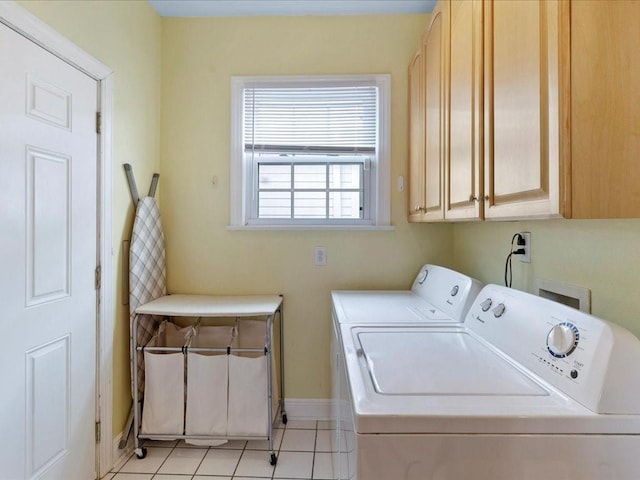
x=486, y=198
x=473, y=198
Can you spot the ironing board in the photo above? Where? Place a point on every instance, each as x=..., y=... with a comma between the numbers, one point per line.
x=147, y=274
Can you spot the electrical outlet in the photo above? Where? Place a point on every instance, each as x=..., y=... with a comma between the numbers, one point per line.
x=320, y=256
x=526, y=258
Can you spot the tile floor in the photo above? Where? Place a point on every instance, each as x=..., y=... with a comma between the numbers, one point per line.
x=303, y=446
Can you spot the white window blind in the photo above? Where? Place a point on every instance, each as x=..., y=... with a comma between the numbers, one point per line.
x=327, y=120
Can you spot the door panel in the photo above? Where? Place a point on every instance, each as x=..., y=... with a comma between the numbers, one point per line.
x=522, y=48
x=416, y=137
x=435, y=59
x=48, y=178
x=605, y=109
x=517, y=99
x=462, y=188
x=48, y=400
x=48, y=199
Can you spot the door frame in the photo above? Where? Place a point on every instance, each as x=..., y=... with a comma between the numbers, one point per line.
x=28, y=25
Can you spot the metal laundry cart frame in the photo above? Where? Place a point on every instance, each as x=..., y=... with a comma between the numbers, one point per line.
x=202, y=306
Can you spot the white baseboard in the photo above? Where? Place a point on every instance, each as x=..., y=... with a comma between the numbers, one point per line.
x=120, y=456
x=308, y=408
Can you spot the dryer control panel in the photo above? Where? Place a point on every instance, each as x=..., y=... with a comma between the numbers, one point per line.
x=589, y=359
x=449, y=291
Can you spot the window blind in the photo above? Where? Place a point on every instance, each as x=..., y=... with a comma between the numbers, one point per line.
x=324, y=120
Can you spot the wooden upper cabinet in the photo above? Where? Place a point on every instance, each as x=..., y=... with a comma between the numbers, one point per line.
x=416, y=137
x=532, y=107
x=435, y=60
x=522, y=150
x=463, y=189
x=605, y=109
x=562, y=109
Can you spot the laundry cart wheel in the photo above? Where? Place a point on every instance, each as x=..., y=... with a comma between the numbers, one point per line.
x=284, y=418
x=141, y=452
x=273, y=459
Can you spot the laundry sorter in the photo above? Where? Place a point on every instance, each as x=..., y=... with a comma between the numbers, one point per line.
x=204, y=383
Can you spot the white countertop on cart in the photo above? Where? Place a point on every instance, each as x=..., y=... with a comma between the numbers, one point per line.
x=212, y=305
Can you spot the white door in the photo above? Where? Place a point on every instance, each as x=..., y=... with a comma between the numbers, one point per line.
x=48, y=240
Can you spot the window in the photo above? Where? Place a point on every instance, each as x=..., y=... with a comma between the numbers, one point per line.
x=310, y=152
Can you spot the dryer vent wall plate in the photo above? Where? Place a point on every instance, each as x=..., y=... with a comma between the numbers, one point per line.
x=571, y=295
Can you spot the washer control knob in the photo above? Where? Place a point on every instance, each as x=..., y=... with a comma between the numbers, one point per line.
x=486, y=305
x=422, y=276
x=499, y=310
x=454, y=290
x=563, y=339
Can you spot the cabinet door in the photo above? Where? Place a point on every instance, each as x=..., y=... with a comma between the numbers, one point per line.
x=435, y=93
x=521, y=109
x=463, y=157
x=416, y=137
x=605, y=109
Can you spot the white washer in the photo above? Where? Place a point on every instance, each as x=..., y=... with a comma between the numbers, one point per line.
x=438, y=295
x=525, y=388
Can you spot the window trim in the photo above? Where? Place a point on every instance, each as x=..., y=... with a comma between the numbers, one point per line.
x=240, y=171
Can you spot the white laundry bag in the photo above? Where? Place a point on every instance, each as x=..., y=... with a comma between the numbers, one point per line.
x=248, y=407
x=163, y=408
x=207, y=385
x=247, y=396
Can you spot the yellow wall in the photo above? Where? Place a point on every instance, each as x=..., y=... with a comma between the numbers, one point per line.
x=601, y=255
x=199, y=56
x=126, y=36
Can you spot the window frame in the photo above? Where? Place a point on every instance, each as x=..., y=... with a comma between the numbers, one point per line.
x=242, y=176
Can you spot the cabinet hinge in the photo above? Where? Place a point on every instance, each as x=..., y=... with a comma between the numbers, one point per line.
x=98, y=123
x=98, y=277
x=98, y=433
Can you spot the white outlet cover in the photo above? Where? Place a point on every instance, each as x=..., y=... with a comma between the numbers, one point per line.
x=320, y=256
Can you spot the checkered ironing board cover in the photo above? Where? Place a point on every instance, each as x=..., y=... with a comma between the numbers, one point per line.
x=147, y=273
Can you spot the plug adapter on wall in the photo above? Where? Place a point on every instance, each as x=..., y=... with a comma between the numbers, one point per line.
x=526, y=257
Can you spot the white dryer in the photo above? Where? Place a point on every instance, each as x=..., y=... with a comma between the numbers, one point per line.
x=524, y=389
x=438, y=294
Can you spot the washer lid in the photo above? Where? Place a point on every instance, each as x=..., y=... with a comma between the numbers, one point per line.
x=440, y=362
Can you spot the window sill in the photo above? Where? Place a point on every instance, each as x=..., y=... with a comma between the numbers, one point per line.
x=365, y=228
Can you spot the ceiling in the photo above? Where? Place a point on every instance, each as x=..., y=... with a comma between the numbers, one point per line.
x=245, y=8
